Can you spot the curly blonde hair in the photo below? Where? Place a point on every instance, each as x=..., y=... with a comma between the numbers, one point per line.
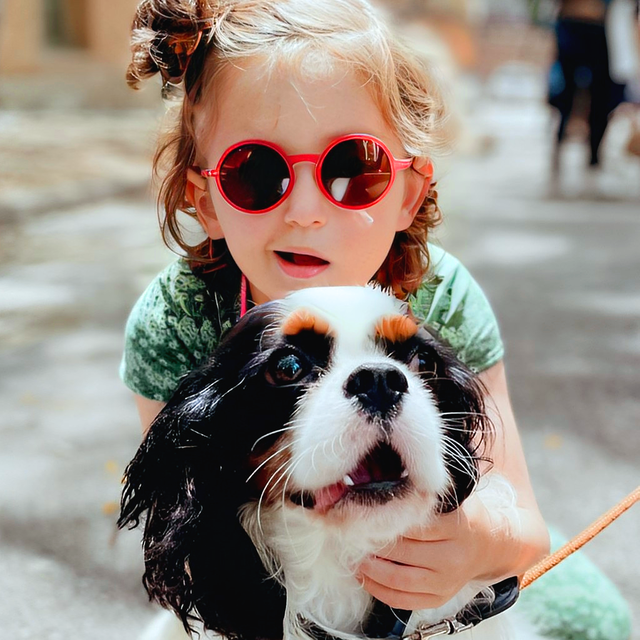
x=303, y=37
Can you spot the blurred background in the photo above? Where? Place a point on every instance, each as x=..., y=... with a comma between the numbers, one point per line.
x=552, y=239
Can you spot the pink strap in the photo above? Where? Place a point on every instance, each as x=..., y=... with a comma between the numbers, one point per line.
x=243, y=295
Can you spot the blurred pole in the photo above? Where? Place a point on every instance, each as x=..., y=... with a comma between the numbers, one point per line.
x=108, y=24
x=21, y=35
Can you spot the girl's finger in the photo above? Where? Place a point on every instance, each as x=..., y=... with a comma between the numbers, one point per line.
x=401, y=599
x=416, y=553
x=397, y=577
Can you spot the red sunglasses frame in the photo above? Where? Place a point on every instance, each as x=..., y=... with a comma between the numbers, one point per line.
x=317, y=159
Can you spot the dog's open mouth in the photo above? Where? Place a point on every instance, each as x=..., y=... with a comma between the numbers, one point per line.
x=379, y=477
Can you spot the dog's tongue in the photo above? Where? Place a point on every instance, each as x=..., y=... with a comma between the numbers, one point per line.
x=326, y=497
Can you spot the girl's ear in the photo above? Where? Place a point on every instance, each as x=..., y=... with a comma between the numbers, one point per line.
x=419, y=179
x=198, y=196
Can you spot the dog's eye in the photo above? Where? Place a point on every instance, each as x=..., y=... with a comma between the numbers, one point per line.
x=421, y=363
x=285, y=368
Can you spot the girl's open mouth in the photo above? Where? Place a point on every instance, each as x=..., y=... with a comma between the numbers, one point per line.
x=300, y=265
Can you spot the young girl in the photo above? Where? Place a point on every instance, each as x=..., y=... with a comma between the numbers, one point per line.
x=303, y=148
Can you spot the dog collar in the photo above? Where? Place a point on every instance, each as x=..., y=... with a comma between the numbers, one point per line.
x=391, y=624
x=506, y=595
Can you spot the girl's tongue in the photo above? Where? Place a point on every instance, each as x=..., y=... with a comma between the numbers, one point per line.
x=301, y=259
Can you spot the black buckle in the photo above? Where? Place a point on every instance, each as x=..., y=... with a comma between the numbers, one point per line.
x=506, y=595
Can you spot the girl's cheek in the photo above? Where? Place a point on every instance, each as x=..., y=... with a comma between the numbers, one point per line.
x=364, y=218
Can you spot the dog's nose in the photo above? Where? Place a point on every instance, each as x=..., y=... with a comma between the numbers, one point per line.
x=377, y=388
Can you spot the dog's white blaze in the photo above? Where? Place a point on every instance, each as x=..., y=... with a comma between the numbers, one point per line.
x=352, y=312
x=332, y=434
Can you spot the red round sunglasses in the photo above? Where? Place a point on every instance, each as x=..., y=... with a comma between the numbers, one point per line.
x=353, y=172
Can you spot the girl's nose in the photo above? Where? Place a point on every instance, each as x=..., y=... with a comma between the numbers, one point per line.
x=306, y=206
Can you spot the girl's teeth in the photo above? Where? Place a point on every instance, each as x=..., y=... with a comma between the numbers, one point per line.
x=348, y=481
x=404, y=474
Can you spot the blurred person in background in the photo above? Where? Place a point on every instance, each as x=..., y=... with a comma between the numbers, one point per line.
x=583, y=62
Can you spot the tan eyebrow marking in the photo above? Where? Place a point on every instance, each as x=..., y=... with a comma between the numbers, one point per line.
x=304, y=320
x=396, y=328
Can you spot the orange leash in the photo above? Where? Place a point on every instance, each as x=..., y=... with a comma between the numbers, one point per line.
x=580, y=540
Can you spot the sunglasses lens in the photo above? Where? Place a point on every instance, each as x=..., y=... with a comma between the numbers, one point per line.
x=254, y=177
x=355, y=173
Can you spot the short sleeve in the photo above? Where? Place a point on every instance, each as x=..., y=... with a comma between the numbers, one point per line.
x=452, y=303
x=169, y=332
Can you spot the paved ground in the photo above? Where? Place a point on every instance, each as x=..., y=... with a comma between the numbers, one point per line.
x=562, y=273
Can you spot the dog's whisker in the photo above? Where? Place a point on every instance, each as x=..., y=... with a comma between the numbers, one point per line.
x=340, y=441
x=460, y=456
x=198, y=433
x=264, y=490
x=313, y=458
x=290, y=471
x=445, y=414
x=289, y=427
x=310, y=468
x=426, y=377
x=289, y=462
x=450, y=422
x=205, y=390
x=274, y=565
x=286, y=476
x=228, y=391
x=448, y=441
x=273, y=455
x=283, y=474
x=468, y=472
x=396, y=616
x=333, y=447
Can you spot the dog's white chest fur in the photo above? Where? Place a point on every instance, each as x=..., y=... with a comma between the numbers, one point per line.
x=317, y=568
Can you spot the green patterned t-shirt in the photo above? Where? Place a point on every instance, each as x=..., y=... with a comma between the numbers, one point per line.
x=178, y=321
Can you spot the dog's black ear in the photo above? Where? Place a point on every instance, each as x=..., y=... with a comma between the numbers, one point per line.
x=187, y=481
x=467, y=428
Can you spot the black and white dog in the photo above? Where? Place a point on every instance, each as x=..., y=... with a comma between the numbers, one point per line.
x=324, y=426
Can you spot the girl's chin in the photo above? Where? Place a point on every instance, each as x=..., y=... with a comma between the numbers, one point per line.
x=325, y=278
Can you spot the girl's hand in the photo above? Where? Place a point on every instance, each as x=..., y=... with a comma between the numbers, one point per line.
x=429, y=565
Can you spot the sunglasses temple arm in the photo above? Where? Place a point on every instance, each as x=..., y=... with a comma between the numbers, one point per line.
x=399, y=165
x=209, y=173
